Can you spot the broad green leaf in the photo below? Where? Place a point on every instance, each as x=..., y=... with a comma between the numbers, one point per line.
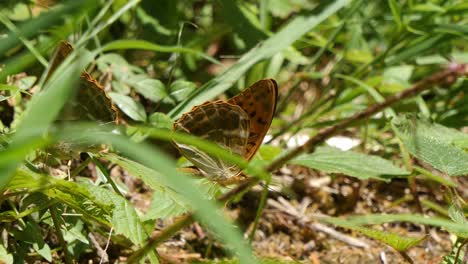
x=179, y=90
x=273, y=45
x=129, y=106
x=125, y=220
x=354, y=164
x=160, y=120
x=75, y=233
x=398, y=242
x=433, y=144
x=151, y=89
x=164, y=206
x=396, y=79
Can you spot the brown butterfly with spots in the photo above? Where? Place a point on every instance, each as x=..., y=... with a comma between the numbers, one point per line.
x=237, y=125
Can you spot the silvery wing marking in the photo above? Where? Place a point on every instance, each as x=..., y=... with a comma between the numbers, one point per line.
x=219, y=122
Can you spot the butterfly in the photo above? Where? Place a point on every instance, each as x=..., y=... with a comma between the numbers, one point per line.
x=91, y=103
x=237, y=125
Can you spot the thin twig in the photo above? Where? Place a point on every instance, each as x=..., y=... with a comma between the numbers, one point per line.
x=163, y=235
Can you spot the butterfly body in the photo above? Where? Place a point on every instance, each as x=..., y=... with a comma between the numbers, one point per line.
x=237, y=125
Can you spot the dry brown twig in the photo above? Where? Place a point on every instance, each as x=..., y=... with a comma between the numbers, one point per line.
x=447, y=76
x=307, y=220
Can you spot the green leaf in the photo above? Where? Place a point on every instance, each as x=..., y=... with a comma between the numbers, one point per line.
x=164, y=206
x=151, y=89
x=416, y=48
x=48, y=19
x=398, y=242
x=130, y=107
x=354, y=164
x=160, y=120
x=75, y=233
x=179, y=91
x=171, y=201
x=433, y=144
x=26, y=82
x=396, y=12
x=396, y=79
x=239, y=20
x=428, y=7
x=124, y=217
x=31, y=234
x=43, y=250
x=457, y=228
x=456, y=214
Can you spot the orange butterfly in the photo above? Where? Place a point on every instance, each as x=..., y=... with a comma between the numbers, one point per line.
x=237, y=125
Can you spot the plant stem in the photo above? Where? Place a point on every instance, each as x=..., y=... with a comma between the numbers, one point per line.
x=58, y=223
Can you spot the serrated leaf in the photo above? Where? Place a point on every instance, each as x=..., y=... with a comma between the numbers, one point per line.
x=398, y=242
x=460, y=230
x=432, y=143
x=456, y=214
x=162, y=206
x=456, y=250
x=75, y=233
x=93, y=202
x=167, y=197
x=130, y=107
x=351, y=163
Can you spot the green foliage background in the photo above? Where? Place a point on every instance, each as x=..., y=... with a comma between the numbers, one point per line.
x=158, y=59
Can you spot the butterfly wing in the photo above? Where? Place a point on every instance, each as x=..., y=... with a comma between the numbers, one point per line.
x=222, y=123
x=259, y=102
x=91, y=101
